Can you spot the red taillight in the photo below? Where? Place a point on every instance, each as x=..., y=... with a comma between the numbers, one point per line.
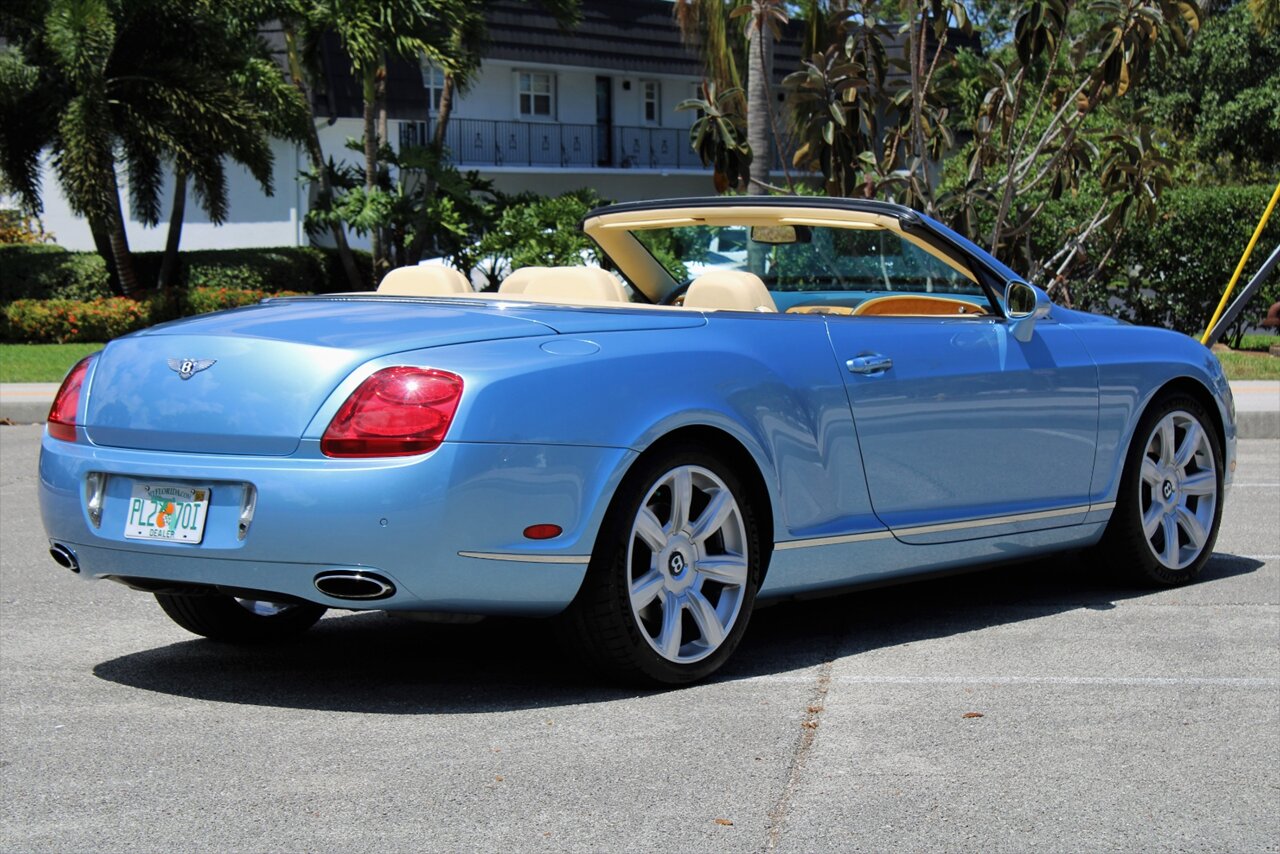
x=394, y=413
x=62, y=415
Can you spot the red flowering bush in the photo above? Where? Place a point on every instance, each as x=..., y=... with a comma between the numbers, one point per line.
x=64, y=321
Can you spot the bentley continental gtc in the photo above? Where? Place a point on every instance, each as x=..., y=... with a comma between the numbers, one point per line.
x=854, y=394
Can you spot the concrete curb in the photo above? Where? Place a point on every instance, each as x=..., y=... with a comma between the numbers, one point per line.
x=1257, y=406
x=26, y=403
x=1258, y=425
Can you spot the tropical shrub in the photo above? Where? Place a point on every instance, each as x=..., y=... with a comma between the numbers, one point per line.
x=17, y=227
x=64, y=321
x=1173, y=273
x=45, y=271
x=538, y=231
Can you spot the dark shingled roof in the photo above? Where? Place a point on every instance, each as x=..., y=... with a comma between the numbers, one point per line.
x=623, y=35
x=635, y=36
x=338, y=93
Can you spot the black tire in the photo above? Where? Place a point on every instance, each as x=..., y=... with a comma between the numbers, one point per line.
x=224, y=618
x=1165, y=490
x=721, y=572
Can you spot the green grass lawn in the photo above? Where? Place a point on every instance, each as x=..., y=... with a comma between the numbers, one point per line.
x=1250, y=366
x=48, y=363
x=40, y=363
x=1261, y=341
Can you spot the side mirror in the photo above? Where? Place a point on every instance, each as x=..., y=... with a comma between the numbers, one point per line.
x=1024, y=304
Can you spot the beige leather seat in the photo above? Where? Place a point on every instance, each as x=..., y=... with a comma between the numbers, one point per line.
x=729, y=290
x=564, y=284
x=424, y=280
x=517, y=280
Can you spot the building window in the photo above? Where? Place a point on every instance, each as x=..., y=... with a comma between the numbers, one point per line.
x=536, y=94
x=651, y=93
x=433, y=82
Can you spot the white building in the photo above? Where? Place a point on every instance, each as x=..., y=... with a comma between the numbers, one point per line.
x=550, y=111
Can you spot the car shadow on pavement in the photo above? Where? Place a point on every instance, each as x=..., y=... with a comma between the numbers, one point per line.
x=371, y=663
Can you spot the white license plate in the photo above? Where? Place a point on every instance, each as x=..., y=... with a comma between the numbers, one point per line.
x=167, y=511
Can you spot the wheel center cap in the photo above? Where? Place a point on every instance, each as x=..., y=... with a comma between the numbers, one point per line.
x=677, y=564
x=1167, y=490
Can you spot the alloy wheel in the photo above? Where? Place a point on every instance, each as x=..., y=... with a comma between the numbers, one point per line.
x=1178, y=493
x=688, y=563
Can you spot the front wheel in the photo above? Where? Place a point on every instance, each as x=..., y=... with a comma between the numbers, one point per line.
x=232, y=620
x=1170, y=501
x=674, y=573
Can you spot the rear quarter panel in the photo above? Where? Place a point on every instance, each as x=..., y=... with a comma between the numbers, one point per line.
x=770, y=383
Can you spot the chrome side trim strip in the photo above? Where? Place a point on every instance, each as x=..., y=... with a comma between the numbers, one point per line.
x=993, y=520
x=831, y=541
x=517, y=558
x=947, y=526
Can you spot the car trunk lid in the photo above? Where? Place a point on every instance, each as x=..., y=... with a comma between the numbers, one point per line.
x=249, y=381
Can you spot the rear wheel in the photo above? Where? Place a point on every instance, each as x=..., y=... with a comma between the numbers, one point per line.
x=674, y=574
x=232, y=620
x=1170, y=501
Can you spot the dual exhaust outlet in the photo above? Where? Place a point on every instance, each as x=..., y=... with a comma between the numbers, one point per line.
x=338, y=584
x=354, y=584
x=64, y=557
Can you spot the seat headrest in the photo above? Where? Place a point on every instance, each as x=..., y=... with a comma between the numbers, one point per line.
x=565, y=284
x=729, y=290
x=424, y=280
x=517, y=280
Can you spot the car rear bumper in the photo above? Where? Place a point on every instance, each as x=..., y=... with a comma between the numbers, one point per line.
x=445, y=528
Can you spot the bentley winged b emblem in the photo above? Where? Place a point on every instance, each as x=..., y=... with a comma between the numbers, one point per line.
x=187, y=368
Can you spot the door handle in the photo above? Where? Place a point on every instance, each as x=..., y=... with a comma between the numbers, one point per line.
x=869, y=363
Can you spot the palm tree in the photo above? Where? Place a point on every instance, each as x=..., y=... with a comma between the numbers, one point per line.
x=134, y=85
x=448, y=33
x=233, y=69
x=706, y=23
x=764, y=22
x=371, y=32
x=460, y=63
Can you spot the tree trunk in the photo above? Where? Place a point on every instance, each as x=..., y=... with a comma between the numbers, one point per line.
x=370, y=93
x=102, y=242
x=422, y=225
x=392, y=233
x=169, y=263
x=758, y=107
x=316, y=155
x=446, y=110
x=119, y=240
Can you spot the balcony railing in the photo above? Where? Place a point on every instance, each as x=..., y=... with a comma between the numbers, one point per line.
x=484, y=142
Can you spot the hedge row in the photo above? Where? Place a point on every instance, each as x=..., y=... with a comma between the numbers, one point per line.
x=1174, y=272
x=65, y=321
x=45, y=271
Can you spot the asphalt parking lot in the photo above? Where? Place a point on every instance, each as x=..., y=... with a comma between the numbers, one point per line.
x=1036, y=707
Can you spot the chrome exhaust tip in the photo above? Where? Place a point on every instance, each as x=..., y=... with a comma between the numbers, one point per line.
x=353, y=584
x=64, y=557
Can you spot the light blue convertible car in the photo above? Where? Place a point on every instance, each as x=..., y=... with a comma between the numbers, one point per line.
x=860, y=395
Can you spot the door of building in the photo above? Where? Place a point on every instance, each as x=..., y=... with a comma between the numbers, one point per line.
x=604, y=121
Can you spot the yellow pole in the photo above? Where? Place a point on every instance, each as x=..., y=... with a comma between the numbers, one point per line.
x=1244, y=259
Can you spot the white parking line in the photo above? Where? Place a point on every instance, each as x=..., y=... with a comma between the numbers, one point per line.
x=1137, y=681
